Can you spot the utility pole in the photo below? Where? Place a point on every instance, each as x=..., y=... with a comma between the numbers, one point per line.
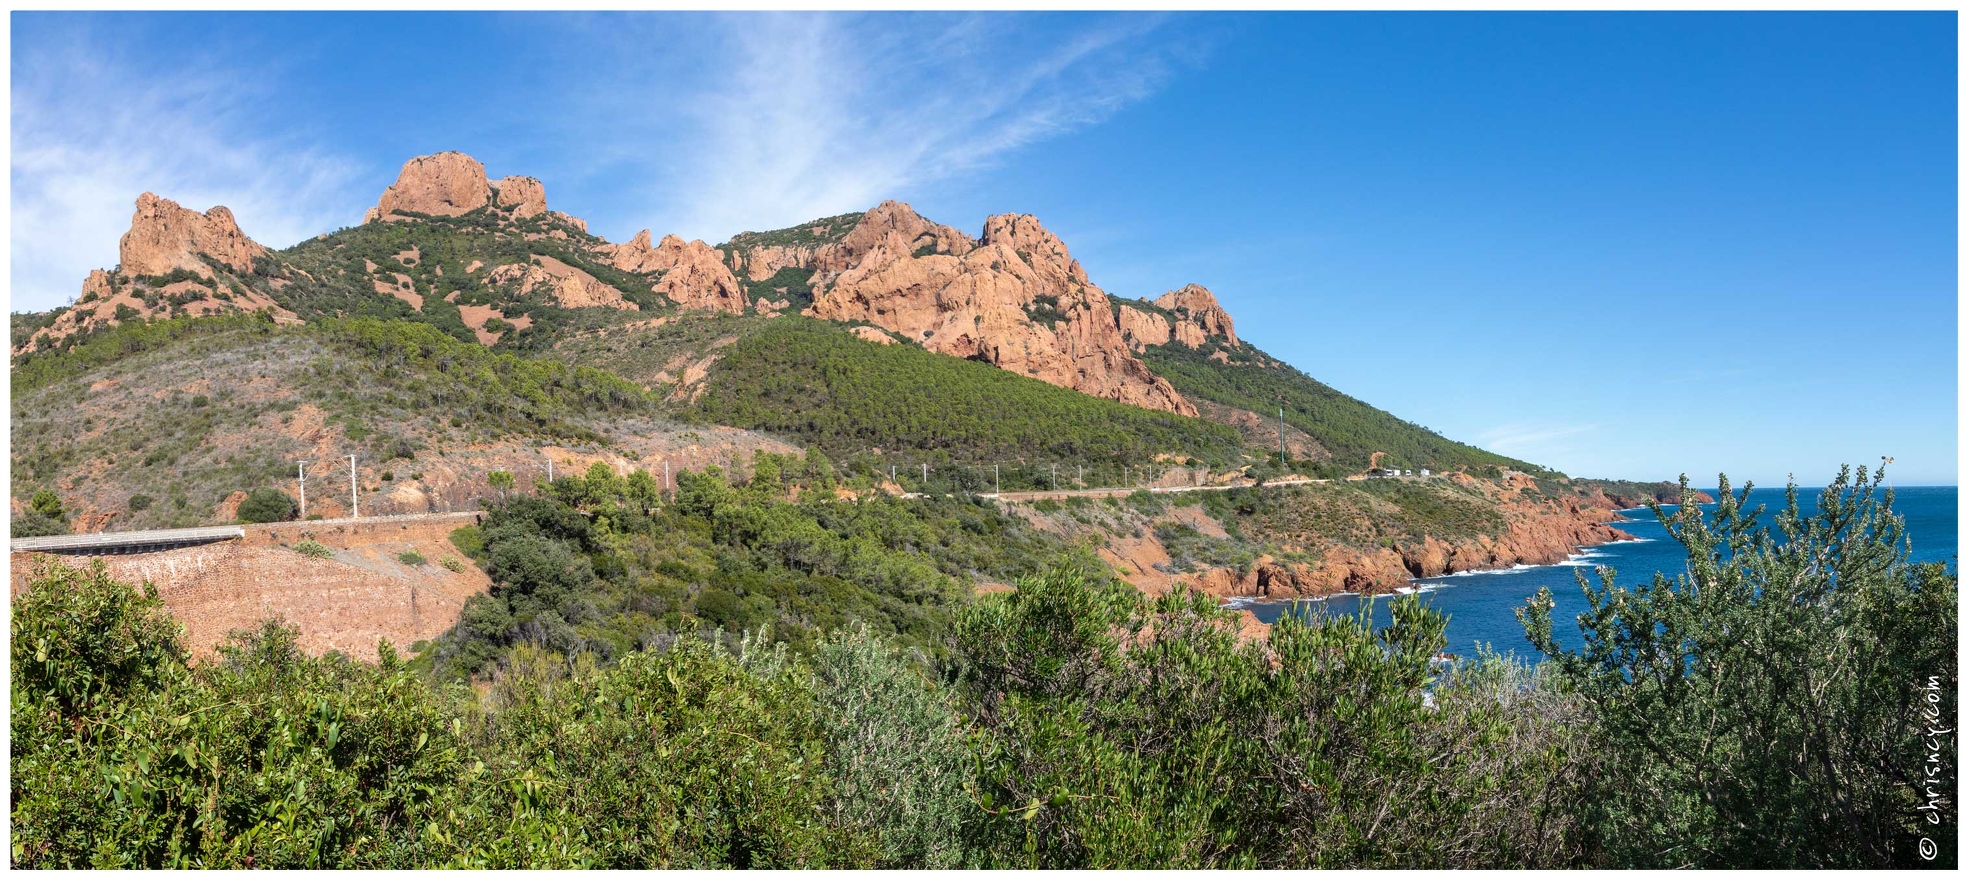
x=303, y=466
x=926, y=476
x=1055, y=468
x=1080, y=475
x=996, y=489
x=892, y=474
x=550, y=468
x=354, y=511
x=666, y=474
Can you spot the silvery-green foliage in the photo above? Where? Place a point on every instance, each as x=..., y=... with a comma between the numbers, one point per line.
x=897, y=748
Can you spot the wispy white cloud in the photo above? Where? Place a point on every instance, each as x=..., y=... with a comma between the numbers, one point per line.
x=1541, y=443
x=96, y=123
x=699, y=124
x=809, y=115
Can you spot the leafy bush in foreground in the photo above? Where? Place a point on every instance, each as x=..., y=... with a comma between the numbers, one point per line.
x=127, y=756
x=1115, y=730
x=1772, y=705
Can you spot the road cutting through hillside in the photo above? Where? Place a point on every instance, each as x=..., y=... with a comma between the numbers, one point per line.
x=1110, y=492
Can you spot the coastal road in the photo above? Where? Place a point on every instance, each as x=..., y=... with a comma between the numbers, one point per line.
x=1110, y=492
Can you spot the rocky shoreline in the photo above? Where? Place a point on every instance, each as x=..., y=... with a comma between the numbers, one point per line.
x=1537, y=534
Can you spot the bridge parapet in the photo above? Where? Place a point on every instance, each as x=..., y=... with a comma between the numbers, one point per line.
x=146, y=541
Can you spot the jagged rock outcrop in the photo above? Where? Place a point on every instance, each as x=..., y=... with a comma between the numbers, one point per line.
x=525, y=195
x=1198, y=316
x=896, y=227
x=1196, y=319
x=635, y=255
x=1017, y=299
x=445, y=184
x=892, y=224
x=451, y=183
x=567, y=285
x=1535, y=533
x=1142, y=328
x=694, y=275
x=165, y=236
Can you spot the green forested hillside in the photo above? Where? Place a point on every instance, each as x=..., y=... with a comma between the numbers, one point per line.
x=808, y=380
x=1350, y=429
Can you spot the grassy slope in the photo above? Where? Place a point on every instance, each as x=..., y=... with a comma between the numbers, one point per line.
x=654, y=356
x=190, y=410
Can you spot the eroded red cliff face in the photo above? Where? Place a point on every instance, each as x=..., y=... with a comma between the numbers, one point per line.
x=694, y=276
x=166, y=238
x=451, y=183
x=1014, y=297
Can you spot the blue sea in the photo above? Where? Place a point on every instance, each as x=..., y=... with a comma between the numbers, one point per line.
x=1481, y=605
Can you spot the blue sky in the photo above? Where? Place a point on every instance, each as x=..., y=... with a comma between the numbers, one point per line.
x=1618, y=245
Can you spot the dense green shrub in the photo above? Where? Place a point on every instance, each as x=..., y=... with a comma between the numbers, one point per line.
x=125, y=757
x=1776, y=704
x=681, y=758
x=268, y=505
x=308, y=547
x=80, y=639
x=1115, y=730
x=897, y=748
x=45, y=515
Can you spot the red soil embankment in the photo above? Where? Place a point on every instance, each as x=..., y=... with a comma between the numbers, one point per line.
x=343, y=603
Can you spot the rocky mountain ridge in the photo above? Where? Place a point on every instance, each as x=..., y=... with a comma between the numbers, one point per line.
x=1014, y=297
